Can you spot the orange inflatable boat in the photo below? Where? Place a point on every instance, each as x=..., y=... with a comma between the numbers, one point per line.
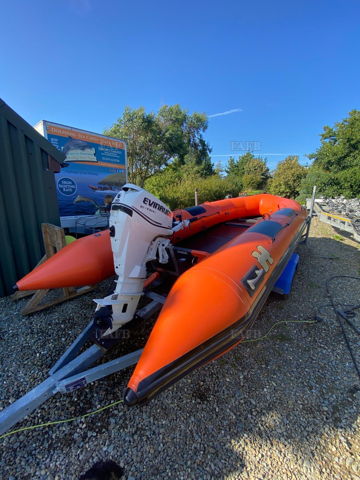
x=211, y=305
x=215, y=264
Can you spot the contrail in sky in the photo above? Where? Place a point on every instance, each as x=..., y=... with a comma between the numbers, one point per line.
x=259, y=153
x=228, y=112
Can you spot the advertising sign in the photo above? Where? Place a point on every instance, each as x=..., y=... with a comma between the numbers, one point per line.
x=95, y=170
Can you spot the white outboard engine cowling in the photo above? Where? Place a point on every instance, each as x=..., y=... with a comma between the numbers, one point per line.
x=140, y=225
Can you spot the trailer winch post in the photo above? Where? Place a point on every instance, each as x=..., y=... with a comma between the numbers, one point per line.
x=311, y=213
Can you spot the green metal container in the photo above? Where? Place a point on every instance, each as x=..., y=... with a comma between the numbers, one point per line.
x=27, y=195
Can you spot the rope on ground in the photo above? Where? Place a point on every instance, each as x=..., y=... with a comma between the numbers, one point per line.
x=113, y=404
x=58, y=422
x=273, y=326
x=343, y=316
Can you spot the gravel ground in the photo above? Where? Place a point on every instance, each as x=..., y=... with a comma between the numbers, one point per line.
x=283, y=408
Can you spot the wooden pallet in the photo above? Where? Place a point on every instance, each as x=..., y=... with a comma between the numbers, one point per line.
x=54, y=240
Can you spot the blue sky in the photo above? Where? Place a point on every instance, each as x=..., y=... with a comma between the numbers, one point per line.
x=283, y=68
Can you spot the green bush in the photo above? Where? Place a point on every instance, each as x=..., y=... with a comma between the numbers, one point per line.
x=350, y=181
x=251, y=181
x=346, y=182
x=287, y=178
x=336, y=167
x=179, y=192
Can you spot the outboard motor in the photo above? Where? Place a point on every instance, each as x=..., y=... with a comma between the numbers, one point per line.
x=140, y=227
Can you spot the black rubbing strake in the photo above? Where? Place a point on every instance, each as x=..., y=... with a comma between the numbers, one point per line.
x=195, y=210
x=286, y=212
x=267, y=227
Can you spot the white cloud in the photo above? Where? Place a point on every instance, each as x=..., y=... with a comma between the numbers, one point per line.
x=228, y=112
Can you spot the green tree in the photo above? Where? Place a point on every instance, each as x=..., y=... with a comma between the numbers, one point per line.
x=237, y=167
x=231, y=168
x=340, y=145
x=252, y=171
x=287, y=178
x=336, y=163
x=243, y=161
x=325, y=182
x=156, y=139
x=256, y=174
x=349, y=180
x=219, y=168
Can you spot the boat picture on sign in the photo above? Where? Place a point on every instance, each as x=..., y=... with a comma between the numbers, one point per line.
x=95, y=171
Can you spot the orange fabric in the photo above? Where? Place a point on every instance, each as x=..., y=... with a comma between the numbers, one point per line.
x=86, y=261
